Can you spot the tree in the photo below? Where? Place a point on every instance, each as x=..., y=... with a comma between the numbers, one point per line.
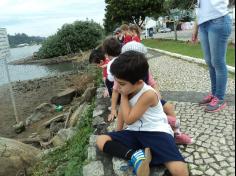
x=17, y=39
x=130, y=11
x=72, y=38
x=231, y=2
x=180, y=4
x=178, y=10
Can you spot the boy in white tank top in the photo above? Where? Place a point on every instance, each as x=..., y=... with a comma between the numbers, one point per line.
x=148, y=140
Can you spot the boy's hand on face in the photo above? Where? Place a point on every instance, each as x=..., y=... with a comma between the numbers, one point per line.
x=122, y=92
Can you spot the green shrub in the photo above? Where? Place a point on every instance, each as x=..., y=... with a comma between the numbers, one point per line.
x=72, y=38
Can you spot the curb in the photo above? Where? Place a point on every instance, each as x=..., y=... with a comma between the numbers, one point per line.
x=188, y=58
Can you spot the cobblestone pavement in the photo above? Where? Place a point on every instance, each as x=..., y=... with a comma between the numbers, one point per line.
x=213, y=152
x=184, y=83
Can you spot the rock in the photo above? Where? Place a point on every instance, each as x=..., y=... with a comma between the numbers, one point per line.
x=94, y=169
x=40, y=112
x=65, y=97
x=89, y=94
x=63, y=136
x=76, y=115
x=16, y=157
x=92, y=140
x=20, y=127
x=92, y=153
x=97, y=112
x=97, y=121
x=55, y=127
x=121, y=167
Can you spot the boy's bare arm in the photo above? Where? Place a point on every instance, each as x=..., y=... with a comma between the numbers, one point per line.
x=132, y=114
x=114, y=99
x=120, y=121
x=157, y=88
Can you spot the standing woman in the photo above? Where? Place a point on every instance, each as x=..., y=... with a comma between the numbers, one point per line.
x=215, y=26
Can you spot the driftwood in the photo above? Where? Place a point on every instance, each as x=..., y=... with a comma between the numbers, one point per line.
x=31, y=140
x=68, y=117
x=54, y=119
x=36, y=140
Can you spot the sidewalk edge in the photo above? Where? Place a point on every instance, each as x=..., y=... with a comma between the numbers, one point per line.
x=188, y=58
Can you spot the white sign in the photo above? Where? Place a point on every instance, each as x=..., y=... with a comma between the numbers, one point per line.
x=4, y=53
x=4, y=44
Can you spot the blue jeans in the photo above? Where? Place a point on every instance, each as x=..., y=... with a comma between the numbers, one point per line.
x=214, y=36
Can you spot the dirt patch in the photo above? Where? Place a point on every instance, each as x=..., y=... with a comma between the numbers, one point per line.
x=30, y=94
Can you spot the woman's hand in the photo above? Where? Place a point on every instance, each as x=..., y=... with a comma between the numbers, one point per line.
x=195, y=33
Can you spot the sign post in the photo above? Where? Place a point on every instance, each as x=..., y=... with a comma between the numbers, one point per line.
x=4, y=53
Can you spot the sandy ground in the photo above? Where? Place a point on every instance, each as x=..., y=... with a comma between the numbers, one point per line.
x=28, y=95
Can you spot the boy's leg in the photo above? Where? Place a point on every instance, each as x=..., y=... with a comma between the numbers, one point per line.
x=177, y=168
x=101, y=140
x=124, y=145
x=163, y=147
x=113, y=148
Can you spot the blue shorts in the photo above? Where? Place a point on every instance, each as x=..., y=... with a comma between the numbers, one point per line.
x=109, y=86
x=162, y=145
x=163, y=102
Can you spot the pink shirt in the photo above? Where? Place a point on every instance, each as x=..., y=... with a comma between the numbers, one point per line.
x=151, y=82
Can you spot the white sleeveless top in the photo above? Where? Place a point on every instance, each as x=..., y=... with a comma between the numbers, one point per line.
x=153, y=120
x=211, y=9
x=110, y=77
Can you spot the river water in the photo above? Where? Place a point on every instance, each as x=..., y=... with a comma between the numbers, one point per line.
x=27, y=72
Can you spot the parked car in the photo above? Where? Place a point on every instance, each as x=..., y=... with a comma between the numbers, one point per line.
x=164, y=30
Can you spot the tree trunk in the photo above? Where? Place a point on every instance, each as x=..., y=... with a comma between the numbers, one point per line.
x=175, y=29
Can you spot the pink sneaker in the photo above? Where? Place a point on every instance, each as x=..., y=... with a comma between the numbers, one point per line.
x=183, y=139
x=207, y=99
x=215, y=105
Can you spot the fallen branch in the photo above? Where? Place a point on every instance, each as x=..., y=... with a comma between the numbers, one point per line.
x=31, y=140
x=68, y=117
x=55, y=119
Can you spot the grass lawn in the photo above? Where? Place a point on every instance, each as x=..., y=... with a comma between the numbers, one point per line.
x=183, y=48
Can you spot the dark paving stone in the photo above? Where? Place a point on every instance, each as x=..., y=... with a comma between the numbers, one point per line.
x=193, y=97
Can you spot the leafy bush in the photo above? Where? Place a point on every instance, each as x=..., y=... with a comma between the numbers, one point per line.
x=71, y=38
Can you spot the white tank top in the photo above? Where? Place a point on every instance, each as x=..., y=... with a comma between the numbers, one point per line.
x=211, y=9
x=110, y=77
x=154, y=119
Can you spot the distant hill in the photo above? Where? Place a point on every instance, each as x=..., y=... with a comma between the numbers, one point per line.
x=18, y=39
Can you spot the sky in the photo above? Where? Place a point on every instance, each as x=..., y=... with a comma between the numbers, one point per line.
x=45, y=17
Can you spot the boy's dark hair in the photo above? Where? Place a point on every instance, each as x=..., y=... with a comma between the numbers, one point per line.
x=112, y=47
x=131, y=66
x=97, y=55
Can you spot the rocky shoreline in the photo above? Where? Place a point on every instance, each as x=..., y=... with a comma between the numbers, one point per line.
x=56, y=60
x=31, y=93
x=47, y=127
